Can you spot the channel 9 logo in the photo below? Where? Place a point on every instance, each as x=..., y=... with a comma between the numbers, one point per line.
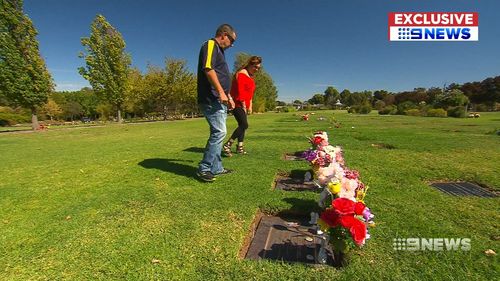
x=433, y=26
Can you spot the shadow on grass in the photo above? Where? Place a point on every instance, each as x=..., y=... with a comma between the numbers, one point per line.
x=195, y=149
x=170, y=166
x=300, y=207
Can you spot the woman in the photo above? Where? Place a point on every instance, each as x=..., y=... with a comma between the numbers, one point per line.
x=242, y=90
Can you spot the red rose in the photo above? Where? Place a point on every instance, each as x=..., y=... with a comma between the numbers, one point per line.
x=358, y=232
x=356, y=228
x=359, y=208
x=317, y=140
x=347, y=221
x=343, y=206
x=330, y=217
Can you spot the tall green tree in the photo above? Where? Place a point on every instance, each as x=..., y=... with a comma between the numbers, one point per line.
x=107, y=63
x=180, y=86
x=24, y=78
x=317, y=99
x=266, y=92
x=345, y=96
x=451, y=98
x=331, y=96
x=154, y=88
x=134, y=100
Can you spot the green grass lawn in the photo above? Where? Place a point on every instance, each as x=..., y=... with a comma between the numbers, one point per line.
x=104, y=202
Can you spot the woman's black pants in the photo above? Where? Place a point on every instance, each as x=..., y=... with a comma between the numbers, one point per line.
x=241, y=117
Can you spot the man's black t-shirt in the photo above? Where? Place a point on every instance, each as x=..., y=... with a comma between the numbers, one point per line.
x=212, y=57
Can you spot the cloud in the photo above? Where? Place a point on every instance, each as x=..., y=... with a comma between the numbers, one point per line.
x=63, y=70
x=323, y=85
x=69, y=86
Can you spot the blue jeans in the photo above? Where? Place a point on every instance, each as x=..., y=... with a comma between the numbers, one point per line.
x=216, y=114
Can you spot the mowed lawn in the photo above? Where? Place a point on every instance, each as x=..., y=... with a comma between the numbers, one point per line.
x=122, y=201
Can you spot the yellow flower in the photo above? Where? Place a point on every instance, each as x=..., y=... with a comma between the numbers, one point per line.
x=323, y=226
x=360, y=194
x=334, y=187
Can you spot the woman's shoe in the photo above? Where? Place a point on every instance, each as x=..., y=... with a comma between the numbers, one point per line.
x=226, y=148
x=240, y=150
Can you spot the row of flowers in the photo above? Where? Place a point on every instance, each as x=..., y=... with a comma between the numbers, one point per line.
x=345, y=218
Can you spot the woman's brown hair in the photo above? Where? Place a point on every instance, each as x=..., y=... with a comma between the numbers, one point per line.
x=253, y=60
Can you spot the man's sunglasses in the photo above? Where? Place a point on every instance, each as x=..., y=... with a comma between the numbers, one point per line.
x=231, y=39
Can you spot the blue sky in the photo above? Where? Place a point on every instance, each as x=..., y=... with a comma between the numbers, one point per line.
x=306, y=45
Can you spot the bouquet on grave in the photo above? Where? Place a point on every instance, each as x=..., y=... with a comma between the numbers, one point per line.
x=326, y=160
x=345, y=217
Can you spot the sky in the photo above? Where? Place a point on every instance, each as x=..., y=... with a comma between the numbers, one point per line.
x=306, y=46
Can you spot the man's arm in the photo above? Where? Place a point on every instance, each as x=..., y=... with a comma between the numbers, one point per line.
x=212, y=78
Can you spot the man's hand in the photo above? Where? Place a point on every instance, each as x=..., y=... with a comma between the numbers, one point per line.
x=223, y=98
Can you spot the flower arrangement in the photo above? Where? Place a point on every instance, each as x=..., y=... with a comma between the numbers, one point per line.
x=345, y=218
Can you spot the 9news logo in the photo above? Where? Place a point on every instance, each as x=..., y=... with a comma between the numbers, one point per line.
x=433, y=26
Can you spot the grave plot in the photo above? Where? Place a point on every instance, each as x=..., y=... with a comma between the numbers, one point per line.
x=463, y=189
x=295, y=156
x=295, y=181
x=288, y=239
x=383, y=146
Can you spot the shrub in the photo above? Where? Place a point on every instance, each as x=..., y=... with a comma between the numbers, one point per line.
x=6, y=109
x=289, y=109
x=390, y=109
x=413, y=112
x=361, y=109
x=404, y=106
x=379, y=105
x=9, y=119
x=457, y=111
x=365, y=109
x=436, y=112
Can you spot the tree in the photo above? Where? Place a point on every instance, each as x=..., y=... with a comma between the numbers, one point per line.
x=107, y=64
x=24, y=78
x=358, y=98
x=154, y=87
x=383, y=96
x=180, y=86
x=451, y=98
x=345, y=96
x=331, y=96
x=490, y=91
x=134, y=95
x=432, y=93
x=73, y=109
x=317, y=99
x=52, y=109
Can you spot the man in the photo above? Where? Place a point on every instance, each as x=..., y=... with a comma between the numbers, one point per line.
x=213, y=98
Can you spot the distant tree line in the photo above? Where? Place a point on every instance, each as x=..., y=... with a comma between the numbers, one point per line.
x=117, y=90
x=452, y=100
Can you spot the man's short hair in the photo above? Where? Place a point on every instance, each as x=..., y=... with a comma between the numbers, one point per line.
x=225, y=28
